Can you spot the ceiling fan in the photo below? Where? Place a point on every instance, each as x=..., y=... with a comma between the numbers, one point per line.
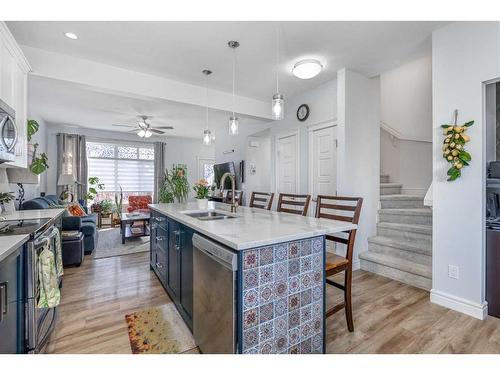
x=143, y=128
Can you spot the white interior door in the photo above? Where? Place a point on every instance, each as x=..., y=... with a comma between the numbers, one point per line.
x=323, y=161
x=287, y=170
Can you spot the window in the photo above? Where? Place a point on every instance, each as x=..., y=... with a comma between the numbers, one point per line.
x=206, y=169
x=127, y=165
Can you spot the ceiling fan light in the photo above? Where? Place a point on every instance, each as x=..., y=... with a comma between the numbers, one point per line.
x=306, y=69
x=233, y=125
x=148, y=133
x=141, y=133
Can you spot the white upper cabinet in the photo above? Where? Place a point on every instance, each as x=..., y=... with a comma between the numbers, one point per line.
x=14, y=70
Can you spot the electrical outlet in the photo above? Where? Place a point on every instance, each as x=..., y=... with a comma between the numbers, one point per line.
x=453, y=271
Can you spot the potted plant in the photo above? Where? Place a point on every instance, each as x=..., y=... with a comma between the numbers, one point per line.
x=38, y=163
x=5, y=198
x=106, y=207
x=118, y=206
x=94, y=185
x=175, y=185
x=202, y=190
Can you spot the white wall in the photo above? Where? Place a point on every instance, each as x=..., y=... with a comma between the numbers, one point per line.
x=178, y=150
x=358, y=161
x=406, y=111
x=406, y=162
x=259, y=155
x=465, y=55
x=406, y=98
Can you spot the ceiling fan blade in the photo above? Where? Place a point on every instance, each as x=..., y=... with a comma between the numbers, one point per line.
x=157, y=131
x=164, y=127
x=134, y=130
x=123, y=126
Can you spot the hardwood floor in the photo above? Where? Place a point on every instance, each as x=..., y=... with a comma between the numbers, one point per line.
x=389, y=317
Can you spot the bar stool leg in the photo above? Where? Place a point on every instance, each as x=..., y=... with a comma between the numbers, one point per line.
x=347, y=299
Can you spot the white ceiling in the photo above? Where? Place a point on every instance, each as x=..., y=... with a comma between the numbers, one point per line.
x=61, y=102
x=180, y=50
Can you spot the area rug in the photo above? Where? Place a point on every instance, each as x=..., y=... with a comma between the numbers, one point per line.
x=159, y=330
x=110, y=244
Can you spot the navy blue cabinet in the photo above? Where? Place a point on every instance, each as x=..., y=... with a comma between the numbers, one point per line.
x=171, y=258
x=11, y=304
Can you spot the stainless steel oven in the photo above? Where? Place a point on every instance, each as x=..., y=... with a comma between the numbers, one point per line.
x=8, y=133
x=40, y=322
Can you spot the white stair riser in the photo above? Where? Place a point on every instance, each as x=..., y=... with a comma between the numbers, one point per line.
x=395, y=274
x=405, y=235
x=387, y=190
x=384, y=179
x=405, y=219
x=396, y=252
x=402, y=203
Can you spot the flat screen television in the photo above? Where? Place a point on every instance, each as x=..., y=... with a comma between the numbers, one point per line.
x=219, y=170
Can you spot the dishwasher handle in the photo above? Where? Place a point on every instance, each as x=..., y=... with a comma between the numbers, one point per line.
x=218, y=253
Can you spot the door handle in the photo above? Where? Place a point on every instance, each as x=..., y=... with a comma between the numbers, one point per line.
x=4, y=302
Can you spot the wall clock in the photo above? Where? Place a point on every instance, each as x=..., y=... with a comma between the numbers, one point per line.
x=303, y=112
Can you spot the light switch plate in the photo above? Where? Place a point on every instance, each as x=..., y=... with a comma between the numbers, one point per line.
x=453, y=271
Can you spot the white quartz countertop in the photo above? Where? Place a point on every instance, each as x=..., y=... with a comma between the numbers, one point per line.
x=8, y=244
x=49, y=213
x=252, y=227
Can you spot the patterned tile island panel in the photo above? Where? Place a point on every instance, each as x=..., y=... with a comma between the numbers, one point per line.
x=283, y=298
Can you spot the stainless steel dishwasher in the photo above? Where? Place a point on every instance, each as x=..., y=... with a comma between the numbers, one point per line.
x=214, y=296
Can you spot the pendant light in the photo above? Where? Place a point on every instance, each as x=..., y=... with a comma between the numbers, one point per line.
x=233, y=120
x=207, y=134
x=278, y=103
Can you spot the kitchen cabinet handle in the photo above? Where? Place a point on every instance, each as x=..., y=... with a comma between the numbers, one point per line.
x=160, y=219
x=160, y=238
x=159, y=265
x=4, y=302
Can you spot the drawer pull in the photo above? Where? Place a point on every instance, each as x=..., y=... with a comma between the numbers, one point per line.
x=160, y=238
x=159, y=265
x=159, y=219
x=4, y=300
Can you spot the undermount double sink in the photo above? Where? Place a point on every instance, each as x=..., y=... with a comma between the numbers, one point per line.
x=209, y=215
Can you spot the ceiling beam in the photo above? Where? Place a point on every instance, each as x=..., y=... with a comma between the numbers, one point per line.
x=107, y=77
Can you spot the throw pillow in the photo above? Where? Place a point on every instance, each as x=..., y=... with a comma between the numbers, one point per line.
x=76, y=210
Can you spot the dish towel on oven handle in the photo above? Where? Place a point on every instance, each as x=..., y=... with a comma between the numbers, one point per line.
x=57, y=250
x=48, y=280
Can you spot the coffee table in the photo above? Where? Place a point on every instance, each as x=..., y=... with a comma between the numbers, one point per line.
x=127, y=220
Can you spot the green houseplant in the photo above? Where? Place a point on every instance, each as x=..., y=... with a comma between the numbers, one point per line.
x=39, y=162
x=106, y=206
x=94, y=185
x=202, y=190
x=175, y=185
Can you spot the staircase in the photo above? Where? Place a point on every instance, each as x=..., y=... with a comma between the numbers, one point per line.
x=402, y=248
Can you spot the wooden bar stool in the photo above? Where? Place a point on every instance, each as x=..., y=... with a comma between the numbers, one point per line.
x=261, y=200
x=299, y=203
x=238, y=197
x=340, y=208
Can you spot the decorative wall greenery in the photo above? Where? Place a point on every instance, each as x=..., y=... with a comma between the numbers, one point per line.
x=94, y=185
x=454, y=147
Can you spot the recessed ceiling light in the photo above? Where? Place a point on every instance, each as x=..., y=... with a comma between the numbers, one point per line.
x=71, y=36
x=306, y=69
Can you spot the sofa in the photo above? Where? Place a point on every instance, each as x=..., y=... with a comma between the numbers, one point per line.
x=85, y=224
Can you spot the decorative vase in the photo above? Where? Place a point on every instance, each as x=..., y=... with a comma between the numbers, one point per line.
x=202, y=203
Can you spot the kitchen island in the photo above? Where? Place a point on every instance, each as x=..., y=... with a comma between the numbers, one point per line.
x=279, y=275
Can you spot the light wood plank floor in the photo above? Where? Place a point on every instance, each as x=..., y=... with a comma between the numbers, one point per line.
x=389, y=317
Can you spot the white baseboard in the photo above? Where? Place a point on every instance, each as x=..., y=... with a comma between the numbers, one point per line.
x=414, y=191
x=478, y=311
x=356, y=265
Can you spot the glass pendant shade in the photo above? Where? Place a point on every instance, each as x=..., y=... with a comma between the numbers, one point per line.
x=141, y=133
x=148, y=133
x=207, y=137
x=278, y=107
x=233, y=125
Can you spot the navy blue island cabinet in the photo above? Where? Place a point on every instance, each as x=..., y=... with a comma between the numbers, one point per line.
x=11, y=304
x=171, y=259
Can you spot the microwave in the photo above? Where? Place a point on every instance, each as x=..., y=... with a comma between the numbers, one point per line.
x=8, y=133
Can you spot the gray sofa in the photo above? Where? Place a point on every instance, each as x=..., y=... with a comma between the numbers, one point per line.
x=86, y=224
